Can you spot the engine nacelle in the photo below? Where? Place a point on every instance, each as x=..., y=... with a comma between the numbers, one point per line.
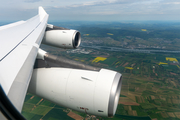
x=61, y=37
x=92, y=92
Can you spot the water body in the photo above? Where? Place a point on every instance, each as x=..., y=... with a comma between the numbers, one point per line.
x=131, y=50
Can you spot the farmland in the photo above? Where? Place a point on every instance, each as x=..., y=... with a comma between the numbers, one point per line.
x=150, y=87
x=150, y=82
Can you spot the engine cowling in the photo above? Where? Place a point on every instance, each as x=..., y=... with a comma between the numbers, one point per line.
x=61, y=37
x=92, y=92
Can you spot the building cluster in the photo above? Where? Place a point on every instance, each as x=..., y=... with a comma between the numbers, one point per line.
x=79, y=51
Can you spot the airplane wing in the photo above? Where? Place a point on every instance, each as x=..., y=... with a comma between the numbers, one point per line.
x=64, y=82
x=19, y=44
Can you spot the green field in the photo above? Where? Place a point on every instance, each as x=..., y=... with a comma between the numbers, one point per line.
x=35, y=109
x=152, y=87
x=149, y=91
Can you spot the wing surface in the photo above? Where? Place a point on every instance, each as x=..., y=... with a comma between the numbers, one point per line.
x=19, y=44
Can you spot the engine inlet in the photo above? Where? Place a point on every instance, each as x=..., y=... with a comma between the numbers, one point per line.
x=76, y=39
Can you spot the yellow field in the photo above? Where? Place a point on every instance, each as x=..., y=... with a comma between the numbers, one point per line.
x=162, y=63
x=110, y=34
x=129, y=68
x=143, y=30
x=97, y=59
x=171, y=59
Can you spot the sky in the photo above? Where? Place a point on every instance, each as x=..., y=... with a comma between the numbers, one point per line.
x=92, y=10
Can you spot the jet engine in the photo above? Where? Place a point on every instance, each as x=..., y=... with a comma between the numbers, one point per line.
x=61, y=37
x=91, y=92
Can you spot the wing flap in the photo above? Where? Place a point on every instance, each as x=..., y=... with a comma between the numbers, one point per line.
x=21, y=82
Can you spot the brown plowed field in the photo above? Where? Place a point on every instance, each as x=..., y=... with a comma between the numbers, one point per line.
x=75, y=116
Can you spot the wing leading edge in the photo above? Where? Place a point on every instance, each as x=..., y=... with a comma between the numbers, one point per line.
x=19, y=46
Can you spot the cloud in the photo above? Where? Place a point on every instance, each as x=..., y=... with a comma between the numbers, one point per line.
x=93, y=9
x=32, y=1
x=175, y=3
x=101, y=3
x=116, y=7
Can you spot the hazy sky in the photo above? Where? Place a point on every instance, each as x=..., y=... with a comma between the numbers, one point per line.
x=92, y=10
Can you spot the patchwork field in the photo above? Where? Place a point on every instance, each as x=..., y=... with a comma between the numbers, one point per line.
x=150, y=87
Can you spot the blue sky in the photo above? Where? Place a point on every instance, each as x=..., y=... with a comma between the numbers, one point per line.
x=92, y=10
